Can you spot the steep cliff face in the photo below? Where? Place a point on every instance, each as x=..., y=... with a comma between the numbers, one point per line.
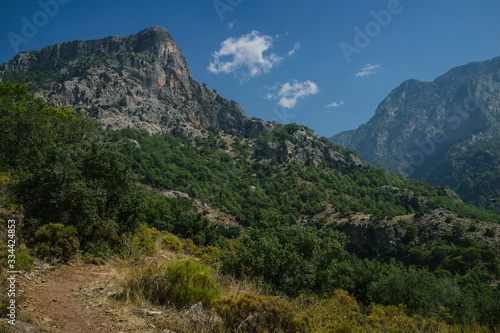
x=140, y=81
x=420, y=122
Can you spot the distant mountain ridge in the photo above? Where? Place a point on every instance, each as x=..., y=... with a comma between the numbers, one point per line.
x=422, y=127
x=141, y=81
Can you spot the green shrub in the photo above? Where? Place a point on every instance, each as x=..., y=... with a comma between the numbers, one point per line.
x=252, y=313
x=472, y=228
x=88, y=258
x=208, y=254
x=144, y=241
x=172, y=242
x=457, y=230
x=329, y=313
x=24, y=262
x=56, y=241
x=180, y=284
x=489, y=233
x=189, y=282
x=410, y=234
x=422, y=292
x=105, y=240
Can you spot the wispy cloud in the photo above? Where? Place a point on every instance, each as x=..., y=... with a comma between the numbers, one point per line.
x=296, y=47
x=367, y=70
x=245, y=56
x=231, y=24
x=335, y=104
x=290, y=92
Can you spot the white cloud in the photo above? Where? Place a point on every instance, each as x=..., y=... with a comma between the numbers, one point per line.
x=296, y=47
x=335, y=104
x=367, y=70
x=290, y=92
x=244, y=56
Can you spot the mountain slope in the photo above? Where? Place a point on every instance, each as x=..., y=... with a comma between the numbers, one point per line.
x=140, y=81
x=420, y=127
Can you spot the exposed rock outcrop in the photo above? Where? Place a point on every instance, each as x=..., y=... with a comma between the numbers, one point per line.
x=141, y=81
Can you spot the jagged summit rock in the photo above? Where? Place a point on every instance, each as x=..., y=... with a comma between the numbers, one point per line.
x=140, y=81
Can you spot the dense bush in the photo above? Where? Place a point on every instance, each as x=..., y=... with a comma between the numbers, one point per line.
x=252, y=313
x=24, y=261
x=292, y=258
x=340, y=309
x=189, y=282
x=179, y=284
x=172, y=242
x=144, y=241
x=56, y=241
x=419, y=290
x=64, y=174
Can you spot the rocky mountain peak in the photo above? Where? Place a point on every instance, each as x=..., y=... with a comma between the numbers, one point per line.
x=437, y=131
x=140, y=81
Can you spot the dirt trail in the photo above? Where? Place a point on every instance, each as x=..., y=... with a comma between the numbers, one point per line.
x=50, y=299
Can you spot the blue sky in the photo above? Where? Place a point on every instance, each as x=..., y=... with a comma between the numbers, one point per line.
x=324, y=64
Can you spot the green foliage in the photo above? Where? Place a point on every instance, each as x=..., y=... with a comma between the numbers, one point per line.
x=472, y=228
x=189, y=282
x=291, y=259
x=172, y=242
x=64, y=174
x=6, y=197
x=489, y=232
x=417, y=289
x=56, y=241
x=179, y=217
x=458, y=230
x=144, y=240
x=180, y=284
x=457, y=257
x=35, y=79
x=249, y=190
x=24, y=261
x=252, y=313
x=411, y=233
x=282, y=133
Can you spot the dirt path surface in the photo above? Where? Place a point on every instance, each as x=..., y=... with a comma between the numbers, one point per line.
x=51, y=300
